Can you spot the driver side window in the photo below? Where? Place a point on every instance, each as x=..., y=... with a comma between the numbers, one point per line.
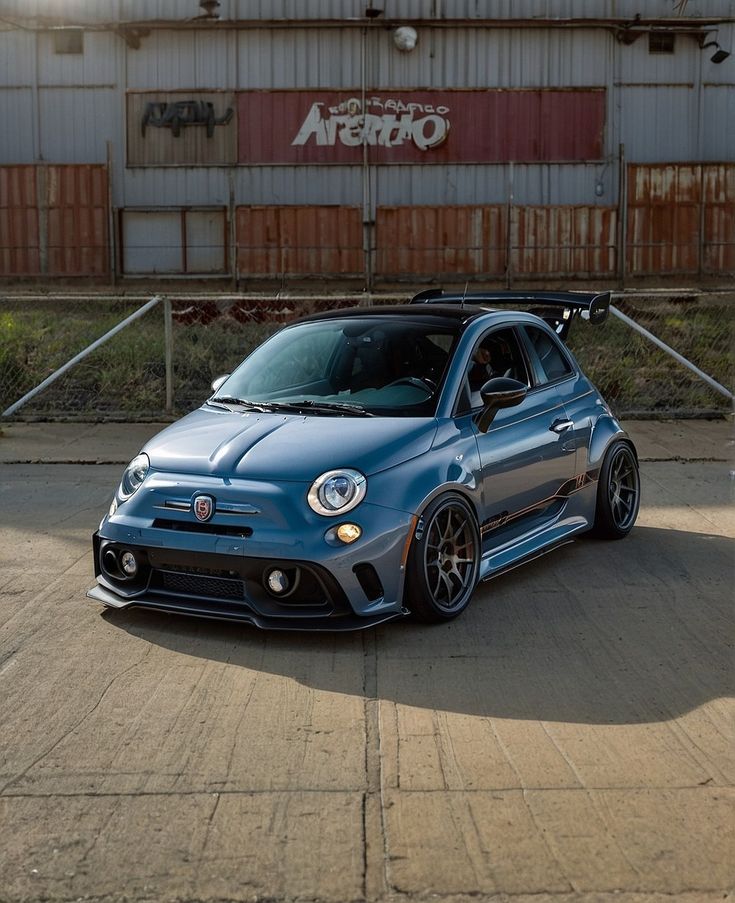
x=497, y=354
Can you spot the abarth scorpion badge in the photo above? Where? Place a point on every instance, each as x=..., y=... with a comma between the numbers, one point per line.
x=203, y=507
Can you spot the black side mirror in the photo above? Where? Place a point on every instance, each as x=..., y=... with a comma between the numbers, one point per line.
x=501, y=392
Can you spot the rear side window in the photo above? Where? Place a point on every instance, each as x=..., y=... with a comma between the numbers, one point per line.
x=554, y=364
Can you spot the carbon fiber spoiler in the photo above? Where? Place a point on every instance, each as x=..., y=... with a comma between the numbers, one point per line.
x=557, y=308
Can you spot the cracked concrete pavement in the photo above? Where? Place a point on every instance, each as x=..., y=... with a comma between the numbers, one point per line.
x=570, y=738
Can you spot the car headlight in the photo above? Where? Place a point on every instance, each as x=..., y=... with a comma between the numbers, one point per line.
x=134, y=475
x=337, y=491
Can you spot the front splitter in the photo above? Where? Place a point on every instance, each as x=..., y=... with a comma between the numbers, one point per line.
x=211, y=611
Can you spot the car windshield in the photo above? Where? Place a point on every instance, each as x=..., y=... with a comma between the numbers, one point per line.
x=355, y=366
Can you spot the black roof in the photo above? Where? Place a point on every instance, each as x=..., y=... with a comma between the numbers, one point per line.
x=452, y=312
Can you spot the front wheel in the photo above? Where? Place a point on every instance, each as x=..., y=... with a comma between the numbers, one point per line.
x=618, y=493
x=444, y=560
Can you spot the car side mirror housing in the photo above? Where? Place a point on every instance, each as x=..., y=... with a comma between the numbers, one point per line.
x=497, y=393
x=216, y=383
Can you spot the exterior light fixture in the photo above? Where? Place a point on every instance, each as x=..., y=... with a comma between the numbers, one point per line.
x=211, y=8
x=405, y=38
x=720, y=55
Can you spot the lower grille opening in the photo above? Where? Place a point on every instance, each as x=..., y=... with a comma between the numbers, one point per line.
x=190, y=527
x=199, y=585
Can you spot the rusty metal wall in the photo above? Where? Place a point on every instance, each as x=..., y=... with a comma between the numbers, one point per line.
x=681, y=219
x=451, y=240
x=718, y=197
x=293, y=240
x=564, y=241
x=78, y=242
x=19, y=244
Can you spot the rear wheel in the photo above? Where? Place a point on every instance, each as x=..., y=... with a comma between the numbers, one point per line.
x=618, y=493
x=444, y=560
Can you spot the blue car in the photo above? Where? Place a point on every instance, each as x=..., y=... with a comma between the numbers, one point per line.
x=366, y=464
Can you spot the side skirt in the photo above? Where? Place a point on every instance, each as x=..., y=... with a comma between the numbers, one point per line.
x=530, y=546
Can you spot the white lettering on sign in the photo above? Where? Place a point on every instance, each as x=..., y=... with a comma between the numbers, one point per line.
x=389, y=123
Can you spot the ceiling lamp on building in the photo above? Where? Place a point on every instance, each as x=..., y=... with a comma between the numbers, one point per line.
x=405, y=38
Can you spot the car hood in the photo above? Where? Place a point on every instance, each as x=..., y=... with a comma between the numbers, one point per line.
x=286, y=447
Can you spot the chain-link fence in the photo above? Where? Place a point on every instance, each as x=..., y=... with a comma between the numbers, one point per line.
x=125, y=378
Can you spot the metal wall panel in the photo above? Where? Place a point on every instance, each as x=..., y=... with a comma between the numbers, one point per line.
x=78, y=243
x=718, y=240
x=17, y=116
x=19, y=235
x=440, y=241
x=152, y=242
x=309, y=241
x=659, y=123
x=288, y=58
x=718, y=123
x=206, y=241
x=17, y=57
x=97, y=65
x=569, y=241
x=77, y=123
x=148, y=144
x=430, y=127
x=663, y=219
x=172, y=60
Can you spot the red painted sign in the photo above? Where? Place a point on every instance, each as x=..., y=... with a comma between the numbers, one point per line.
x=473, y=126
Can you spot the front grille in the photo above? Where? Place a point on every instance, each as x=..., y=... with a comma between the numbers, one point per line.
x=195, y=527
x=196, y=585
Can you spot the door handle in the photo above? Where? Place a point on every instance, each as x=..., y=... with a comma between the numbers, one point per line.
x=560, y=426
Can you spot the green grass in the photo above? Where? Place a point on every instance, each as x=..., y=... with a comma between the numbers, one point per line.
x=126, y=376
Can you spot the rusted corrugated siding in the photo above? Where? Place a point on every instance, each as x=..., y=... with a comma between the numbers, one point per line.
x=19, y=246
x=440, y=240
x=663, y=218
x=573, y=241
x=309, y=241
x=718, y=240
x=77, y=220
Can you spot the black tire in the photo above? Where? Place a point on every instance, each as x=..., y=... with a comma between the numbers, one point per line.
x=618, y=493
x=444, y=560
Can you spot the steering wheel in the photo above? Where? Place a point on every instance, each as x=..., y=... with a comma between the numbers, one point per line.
x=418, y=382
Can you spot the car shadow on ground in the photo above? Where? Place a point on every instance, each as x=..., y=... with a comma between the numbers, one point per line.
x=598, y=632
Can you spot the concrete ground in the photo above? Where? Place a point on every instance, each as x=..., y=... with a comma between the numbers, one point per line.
x=569, y=738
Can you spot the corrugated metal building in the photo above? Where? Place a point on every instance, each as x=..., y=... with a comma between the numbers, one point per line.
x=270, y=137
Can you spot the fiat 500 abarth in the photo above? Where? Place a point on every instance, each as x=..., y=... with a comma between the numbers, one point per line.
x=368, y=463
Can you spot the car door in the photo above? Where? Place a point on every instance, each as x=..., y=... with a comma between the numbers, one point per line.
x=525, y=456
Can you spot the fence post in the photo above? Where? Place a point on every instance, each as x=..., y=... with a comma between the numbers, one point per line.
x=622, y=215
x=168, y=339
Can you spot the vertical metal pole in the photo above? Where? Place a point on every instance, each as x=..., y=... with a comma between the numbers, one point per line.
x=168, y=339
x=231, y=235
x=509, y=231
x=366, y=193
x=622, y=216
x=42, y=199
x=110, y=219
x=702, y=221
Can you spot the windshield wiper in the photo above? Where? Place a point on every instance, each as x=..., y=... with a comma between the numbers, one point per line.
x=323, y=407
x=242, y=402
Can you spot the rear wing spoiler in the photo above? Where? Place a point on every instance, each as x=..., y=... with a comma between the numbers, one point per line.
x=557, y=308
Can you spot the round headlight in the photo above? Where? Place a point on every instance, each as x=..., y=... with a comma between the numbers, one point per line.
x=337, y=492
x=134, y=475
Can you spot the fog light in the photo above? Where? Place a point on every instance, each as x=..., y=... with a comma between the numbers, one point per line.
x=277, y=581
x=109, y=559
x=348, y=533
x=128, y=564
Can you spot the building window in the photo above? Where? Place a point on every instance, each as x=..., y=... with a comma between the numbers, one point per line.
x=69, y=40
x=661, y=42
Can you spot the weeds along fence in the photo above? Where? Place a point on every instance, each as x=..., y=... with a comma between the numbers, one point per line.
x=154, y=370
